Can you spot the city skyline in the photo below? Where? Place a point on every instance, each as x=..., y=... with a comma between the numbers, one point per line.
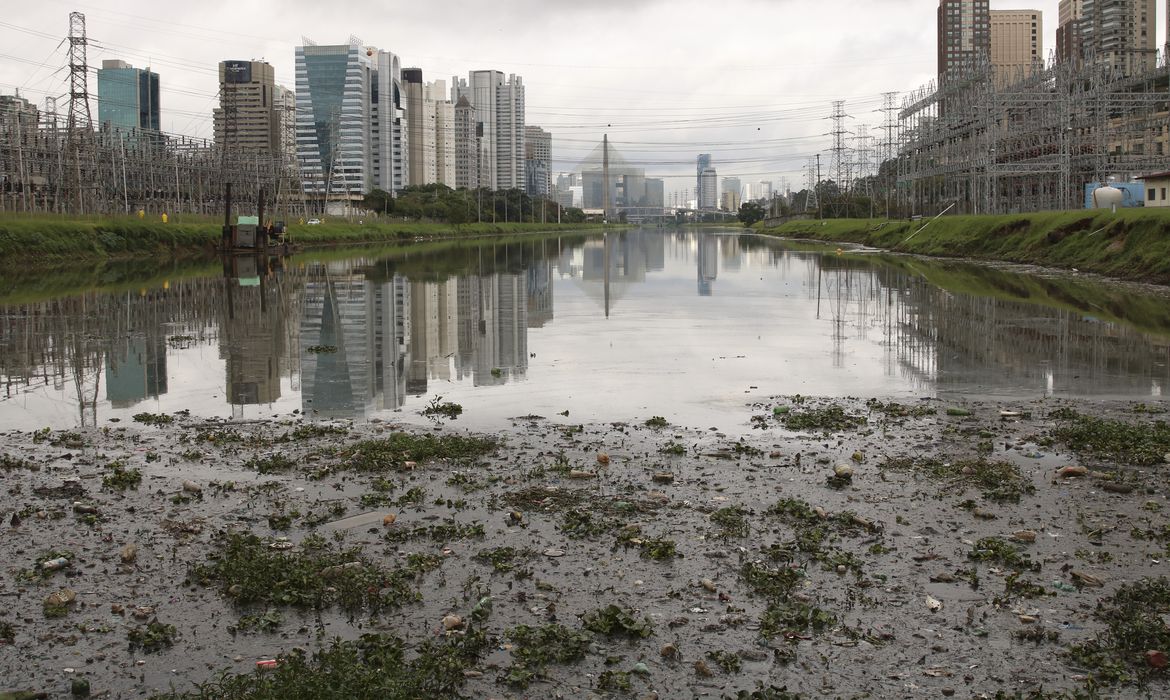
x=781, y=92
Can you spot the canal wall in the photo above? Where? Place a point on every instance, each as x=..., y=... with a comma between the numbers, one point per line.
x=1132, y=244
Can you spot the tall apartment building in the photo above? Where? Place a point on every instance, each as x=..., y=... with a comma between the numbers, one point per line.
x=430, y=130
x=416, y=140
x=285, y=104
x=442, y=122
x=251, y=113
x=537, y=161
x=468, y=134
x=499, y=110
x=128, y=97
x=1119, y=34
x=349, y=124
x=964, y=38
x=702, y=163
x=1068, y=38
x=1017, y=44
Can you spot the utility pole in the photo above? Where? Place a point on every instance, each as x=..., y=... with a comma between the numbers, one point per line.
x=820, y=211
x=605, y=177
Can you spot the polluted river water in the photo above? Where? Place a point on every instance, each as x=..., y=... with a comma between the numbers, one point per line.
x=653, y=464
x=606, y=327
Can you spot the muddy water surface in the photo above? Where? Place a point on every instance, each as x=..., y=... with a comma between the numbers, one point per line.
x=620, y=326
x=204, y=470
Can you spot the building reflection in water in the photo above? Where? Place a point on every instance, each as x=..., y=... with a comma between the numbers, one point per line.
x=353, y=337
x=612, y=264
x=253, y=339
x=384, y=332
x=707, y=263
x=136, y=368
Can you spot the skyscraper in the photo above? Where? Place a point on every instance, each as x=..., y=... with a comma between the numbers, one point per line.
x=964, y=38
x=1119, y=34
x=537, y=161
x=1068, y=38
x=349, y=121
x=430, y=130
x=128, y=97
x=468, y=133
x=441, y=112
x=710, y=198
x=388, y=115
x=417, y=136
x=703, y=162
x=249, y=118
x=1017, y=44
x=499, y=109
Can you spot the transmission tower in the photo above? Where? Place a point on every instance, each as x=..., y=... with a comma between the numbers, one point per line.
x=810, y=200
x=840, y=151
x=889, y=146
x=862, y=153
x=80, y=119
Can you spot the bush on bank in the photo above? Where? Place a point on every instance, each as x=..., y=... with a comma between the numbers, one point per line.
x=24, y=237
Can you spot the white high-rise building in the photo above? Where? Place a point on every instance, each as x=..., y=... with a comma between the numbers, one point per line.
x=389, y=116
x=349, y=121
x=499, y=108
x=440, y=160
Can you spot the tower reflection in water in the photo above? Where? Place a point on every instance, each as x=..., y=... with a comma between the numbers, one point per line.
x=386, y=329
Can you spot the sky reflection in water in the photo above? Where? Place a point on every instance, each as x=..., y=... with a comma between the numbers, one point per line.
x=692, y=326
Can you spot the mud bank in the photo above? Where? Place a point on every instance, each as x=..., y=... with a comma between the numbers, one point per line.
x=842, y=549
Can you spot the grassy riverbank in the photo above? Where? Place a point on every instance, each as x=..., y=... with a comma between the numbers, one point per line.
x=1132, y=244
x=436, y=259
x=51, y=238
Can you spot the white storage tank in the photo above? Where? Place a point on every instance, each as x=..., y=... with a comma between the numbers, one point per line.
x=1108, y=197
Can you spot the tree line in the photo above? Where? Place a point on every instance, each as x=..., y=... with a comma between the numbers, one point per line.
x=438, y=202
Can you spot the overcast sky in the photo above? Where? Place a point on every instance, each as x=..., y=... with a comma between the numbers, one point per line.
x=749, y=81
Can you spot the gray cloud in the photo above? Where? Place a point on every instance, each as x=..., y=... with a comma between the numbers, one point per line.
x=749, y=81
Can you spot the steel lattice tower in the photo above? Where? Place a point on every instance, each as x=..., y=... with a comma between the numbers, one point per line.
x=80, y=119
x=79, y=114
x=840, y=150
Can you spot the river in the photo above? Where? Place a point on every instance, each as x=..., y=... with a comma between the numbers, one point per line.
x=695, y=326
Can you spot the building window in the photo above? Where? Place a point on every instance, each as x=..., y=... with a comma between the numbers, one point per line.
x=1163, y=194
x=1150, y=194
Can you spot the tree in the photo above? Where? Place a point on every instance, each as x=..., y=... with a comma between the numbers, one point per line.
x=379, y=201
x=750, y=213
x=573, y=215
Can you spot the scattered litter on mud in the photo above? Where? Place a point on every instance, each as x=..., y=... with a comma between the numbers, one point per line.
x=843, y=548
